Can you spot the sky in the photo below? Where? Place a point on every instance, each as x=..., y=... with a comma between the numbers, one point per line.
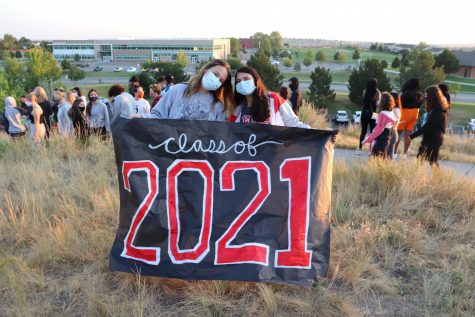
x=400, y=21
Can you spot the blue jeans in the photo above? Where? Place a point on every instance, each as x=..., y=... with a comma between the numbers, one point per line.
x=392, y=143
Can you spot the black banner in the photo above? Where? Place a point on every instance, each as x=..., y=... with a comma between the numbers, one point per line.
x=222, y=201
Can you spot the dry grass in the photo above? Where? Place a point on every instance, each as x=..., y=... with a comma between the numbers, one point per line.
x=402, y=245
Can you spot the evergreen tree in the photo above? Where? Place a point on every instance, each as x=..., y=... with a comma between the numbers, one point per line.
x=368, y=69
x=356, y=54
x=320, y=92
x=448, y=60
x=270, y=75
x=396, y=63
x=297, y=67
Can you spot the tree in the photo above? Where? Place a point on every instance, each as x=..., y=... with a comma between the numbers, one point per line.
x=234, y=63
x=307, y=60
x=287, y=62
x=66, y=65
x=373, y=47
x=271, y=76
x=320, y=56
x=266, y=46
x=235, y=47
x=381, y=48
x=423, y=45
x=76, y=74
x=448, y=61
x=297, y=67
x=15, y=73
x=42, y=69
x=356, y=54
x=24, y=43
x=77, y=57
x=339, y=57
x=166, y=68
x=368, y=69
x=384, y=63
x=285, y=53
x=455, y=88
x=276, y=40
x=46, y=46
x=421, y=65
x=18, y=54
x=181, y=59
x=396, y=63
x=320, y=92
x=405, y=60
x=8, y=43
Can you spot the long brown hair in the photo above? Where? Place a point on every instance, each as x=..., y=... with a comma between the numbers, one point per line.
x=260, y=103
x=435, y=99
x=89, y=104
x=223, y=94
x=387, y=102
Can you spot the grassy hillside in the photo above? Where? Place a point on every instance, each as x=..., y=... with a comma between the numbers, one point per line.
x=402, y=244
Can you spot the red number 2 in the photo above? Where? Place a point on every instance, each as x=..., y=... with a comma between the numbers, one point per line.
x=150, y=255
x=249, y=252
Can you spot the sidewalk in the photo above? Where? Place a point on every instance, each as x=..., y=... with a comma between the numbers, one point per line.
x=463, y=169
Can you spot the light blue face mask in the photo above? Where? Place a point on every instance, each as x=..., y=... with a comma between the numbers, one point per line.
x=246, y=87
x=210, y=81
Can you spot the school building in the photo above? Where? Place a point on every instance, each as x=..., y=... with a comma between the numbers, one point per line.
x=141, y=50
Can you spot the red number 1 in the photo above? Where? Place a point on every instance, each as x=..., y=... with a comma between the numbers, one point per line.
x=297, y=173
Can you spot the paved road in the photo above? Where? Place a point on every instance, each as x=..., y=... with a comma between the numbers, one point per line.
x=462, y=169
x=343, y=88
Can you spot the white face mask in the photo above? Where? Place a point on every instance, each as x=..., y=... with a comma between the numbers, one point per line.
x=75, y=94
x=28, y=104
x=210, y=81
x=245, y=87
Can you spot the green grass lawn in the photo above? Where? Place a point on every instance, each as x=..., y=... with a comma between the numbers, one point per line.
x=330, y=52
x=101, y=89
x=461, y=113
x=108, y=74
x=461, y=79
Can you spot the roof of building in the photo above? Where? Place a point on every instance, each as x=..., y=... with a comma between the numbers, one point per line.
x=136, y=41
x=466, y=58
x=247, y=43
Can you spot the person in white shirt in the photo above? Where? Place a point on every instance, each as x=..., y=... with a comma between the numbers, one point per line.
x=142, y=106
x=97, y=115
x=64, y=122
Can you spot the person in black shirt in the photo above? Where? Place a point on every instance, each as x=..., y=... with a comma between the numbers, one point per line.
x=433, y=130
x=296, y=95
x=371, y=97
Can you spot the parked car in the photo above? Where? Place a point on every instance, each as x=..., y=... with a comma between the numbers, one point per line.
x=131, y=70
x=357, y=117
x=275, y=63
x=471, y=126
x=118, y=69
x=342, y=116
x=98, y=69
x=82, y=65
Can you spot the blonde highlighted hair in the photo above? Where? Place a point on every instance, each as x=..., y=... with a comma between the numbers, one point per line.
x=223, y=94
x=40, y=94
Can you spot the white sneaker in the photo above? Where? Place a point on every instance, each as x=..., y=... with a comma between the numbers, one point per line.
x=395, y=156
x=404, y=156
x=358, y=152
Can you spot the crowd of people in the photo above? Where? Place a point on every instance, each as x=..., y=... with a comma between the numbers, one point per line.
x=391, y=116
x=212, y=95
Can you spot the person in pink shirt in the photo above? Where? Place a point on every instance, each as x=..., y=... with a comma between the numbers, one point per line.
x=381, y=134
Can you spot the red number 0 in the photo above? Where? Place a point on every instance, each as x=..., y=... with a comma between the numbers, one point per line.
x=196, y=254
x=250, y=252
x=150, y=255
x=297, y=173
